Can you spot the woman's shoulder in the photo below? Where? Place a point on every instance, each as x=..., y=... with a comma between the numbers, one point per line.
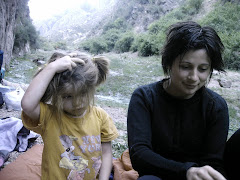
x=215, y=97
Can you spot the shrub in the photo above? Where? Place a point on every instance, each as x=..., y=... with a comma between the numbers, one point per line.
x=192, y=7
x=98, y=46
x=151, y=45
x=111, y=37
x=24, y=33
x=138, y=40
x=124, y=43
x=224, y=19
x=231, y=54
x=119, y=24
x=86, y=45
x=60, y=45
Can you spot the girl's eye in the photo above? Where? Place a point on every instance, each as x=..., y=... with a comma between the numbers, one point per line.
x=67, y=97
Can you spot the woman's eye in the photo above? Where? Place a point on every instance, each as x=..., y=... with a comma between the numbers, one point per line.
x=184, y=67
x=203, y=69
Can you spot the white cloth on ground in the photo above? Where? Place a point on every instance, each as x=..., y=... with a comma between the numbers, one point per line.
x=9, y=137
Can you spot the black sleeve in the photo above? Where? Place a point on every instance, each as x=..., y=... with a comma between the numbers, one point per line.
x=217, y=131
x=143, y=158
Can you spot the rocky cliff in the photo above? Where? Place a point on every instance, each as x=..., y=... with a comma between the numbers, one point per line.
x=79, y=23
x=11, y=17
x=8, y=11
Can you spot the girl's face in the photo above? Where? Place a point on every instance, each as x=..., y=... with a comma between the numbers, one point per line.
x=72, y=109
x=189, y=74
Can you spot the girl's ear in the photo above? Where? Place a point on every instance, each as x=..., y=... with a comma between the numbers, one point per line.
x=102, y=64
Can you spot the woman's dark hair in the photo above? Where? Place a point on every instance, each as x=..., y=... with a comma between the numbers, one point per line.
x=185, y=36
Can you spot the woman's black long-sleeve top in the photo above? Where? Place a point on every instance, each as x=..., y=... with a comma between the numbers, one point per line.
x=167, y=136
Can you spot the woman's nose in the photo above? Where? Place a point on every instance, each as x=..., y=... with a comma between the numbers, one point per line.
x=193, y=75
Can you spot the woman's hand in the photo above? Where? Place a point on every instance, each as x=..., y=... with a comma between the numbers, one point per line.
x=204, y=173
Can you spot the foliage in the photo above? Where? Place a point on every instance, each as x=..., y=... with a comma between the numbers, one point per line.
x=225, y=20
x=24, y=30
x=60, y=45
x=125, y=42
x=192, y=7
x=46, y=44
x=117, y=35
x=26, y=33
x=118, y=24
x=94, y=46
x=111, y=37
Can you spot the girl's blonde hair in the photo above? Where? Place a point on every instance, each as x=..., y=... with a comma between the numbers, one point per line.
x=82, y=80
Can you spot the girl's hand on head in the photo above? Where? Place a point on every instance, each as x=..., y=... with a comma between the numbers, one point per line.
x=65, y=63
x=204, y=173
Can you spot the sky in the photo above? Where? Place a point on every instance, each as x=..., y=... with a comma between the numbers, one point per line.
x=43, y=9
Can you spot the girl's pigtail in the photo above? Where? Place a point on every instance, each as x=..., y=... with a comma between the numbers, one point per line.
x=102, y=64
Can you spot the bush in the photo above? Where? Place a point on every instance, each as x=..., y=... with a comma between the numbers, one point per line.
x=60, y=45
x=124, y=43
x=86, y=45
x=231, y=54
x=111, y=37
x=192, y=7
x=26, y=33
x=138, y=40
x=224, y=20
x=45, y=44
x=118, y=24
x=94, y=45
x=151, y=45
x=98, y=46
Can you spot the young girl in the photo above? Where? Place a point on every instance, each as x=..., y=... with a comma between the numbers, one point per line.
x=77, y=135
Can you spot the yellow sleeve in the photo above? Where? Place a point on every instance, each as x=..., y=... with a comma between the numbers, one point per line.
x=108, y=130
x=37, y=127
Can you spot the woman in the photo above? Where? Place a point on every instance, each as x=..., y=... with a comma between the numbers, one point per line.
x=177, y=128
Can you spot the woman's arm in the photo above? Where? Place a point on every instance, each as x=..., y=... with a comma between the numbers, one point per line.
x=106, y=166
x=38, y=86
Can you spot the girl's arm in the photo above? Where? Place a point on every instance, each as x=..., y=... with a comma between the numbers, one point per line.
x=106, y=166
x=35, y=91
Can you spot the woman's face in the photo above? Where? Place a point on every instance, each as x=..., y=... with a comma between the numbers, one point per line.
x=189, y=74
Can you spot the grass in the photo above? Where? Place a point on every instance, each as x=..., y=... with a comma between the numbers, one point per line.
x=128, y=71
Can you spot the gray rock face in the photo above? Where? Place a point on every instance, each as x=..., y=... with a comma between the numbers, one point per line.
x=12, y=13
x=7, y=23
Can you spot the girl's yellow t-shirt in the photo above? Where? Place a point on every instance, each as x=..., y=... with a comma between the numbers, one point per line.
x=72, y=146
